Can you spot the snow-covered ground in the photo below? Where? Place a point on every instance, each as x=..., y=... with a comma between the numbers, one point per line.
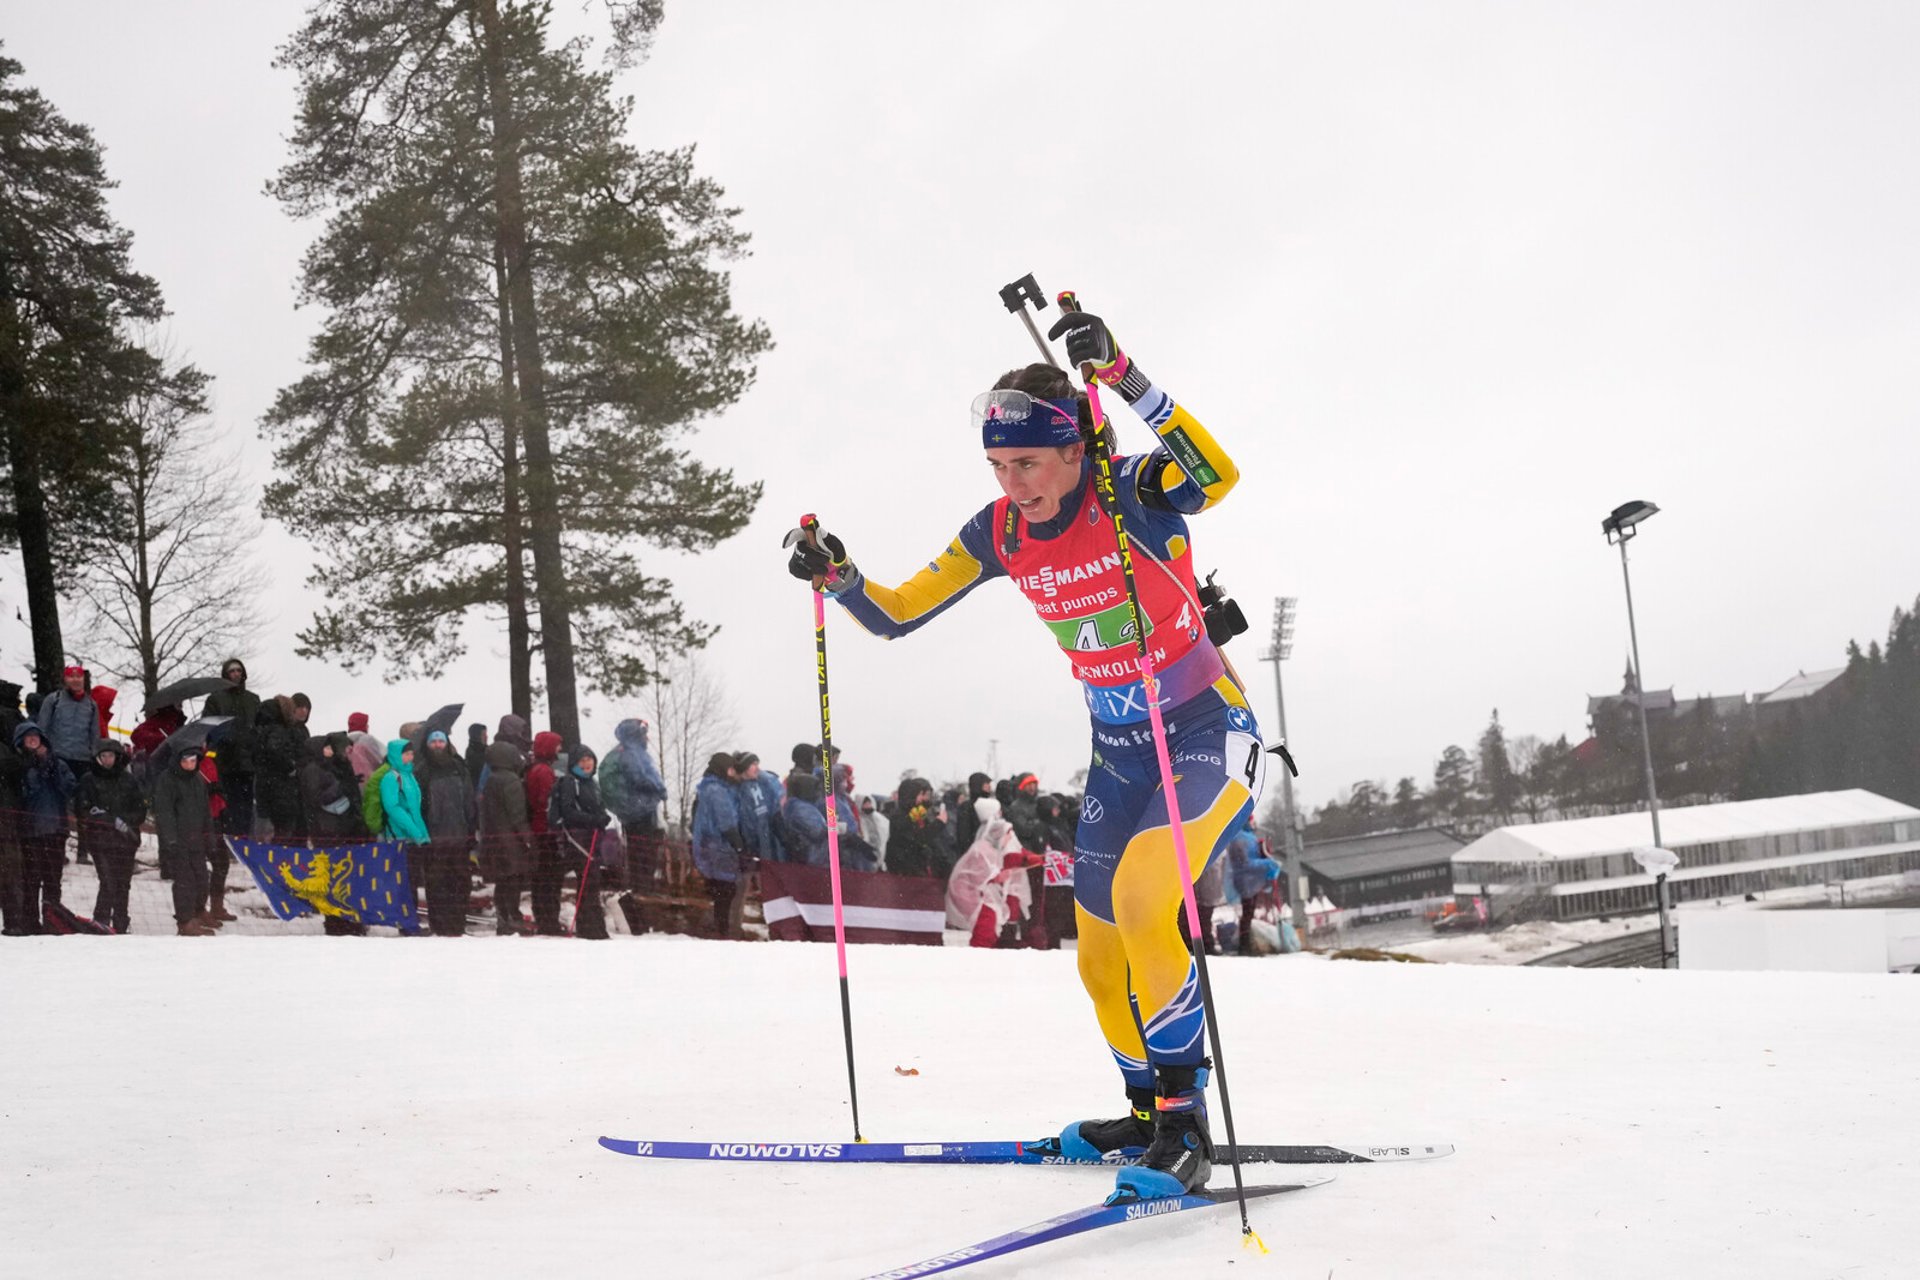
x=317, y=1106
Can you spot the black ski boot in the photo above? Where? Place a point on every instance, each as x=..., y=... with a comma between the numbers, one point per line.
x=1180, y=1157
x=1111, y=1140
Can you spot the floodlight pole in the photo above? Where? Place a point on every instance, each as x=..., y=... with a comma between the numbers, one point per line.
x=1279, y=650
x=1625, y=535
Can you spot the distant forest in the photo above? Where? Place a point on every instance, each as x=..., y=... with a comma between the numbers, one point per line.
x=1863, y=730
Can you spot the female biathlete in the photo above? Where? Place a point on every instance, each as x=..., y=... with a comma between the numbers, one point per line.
x=1049, y=535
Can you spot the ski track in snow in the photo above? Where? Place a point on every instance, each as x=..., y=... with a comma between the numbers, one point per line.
x=188, y=1107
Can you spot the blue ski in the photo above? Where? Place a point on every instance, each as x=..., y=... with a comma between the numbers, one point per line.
x=1076, y=1221
x=1042, y=1151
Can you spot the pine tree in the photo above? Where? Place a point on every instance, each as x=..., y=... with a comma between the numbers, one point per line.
x=1498, y=787
x=1555, y=776
x=1409, y=806
x=1452, y=785
x=1367, y=807
x=66, y=292
x=1329, y=822
x=1524, y=755
x=525, y=318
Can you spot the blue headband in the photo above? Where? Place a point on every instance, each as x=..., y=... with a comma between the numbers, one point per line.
x=1049, y=423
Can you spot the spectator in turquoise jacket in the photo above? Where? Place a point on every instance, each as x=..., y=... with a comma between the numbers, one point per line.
x=400, y=795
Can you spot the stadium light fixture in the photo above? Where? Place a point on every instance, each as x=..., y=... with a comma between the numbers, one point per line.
x=1620, y=523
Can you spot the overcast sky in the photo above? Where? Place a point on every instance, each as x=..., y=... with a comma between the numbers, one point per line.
x=1450, y=281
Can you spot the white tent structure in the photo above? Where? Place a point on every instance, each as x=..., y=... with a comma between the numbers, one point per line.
x=1585, y=866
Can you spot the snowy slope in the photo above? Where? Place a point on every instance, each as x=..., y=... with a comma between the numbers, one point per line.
x=310, y=1106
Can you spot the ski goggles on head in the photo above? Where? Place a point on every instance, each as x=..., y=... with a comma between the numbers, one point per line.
x=1014, y=419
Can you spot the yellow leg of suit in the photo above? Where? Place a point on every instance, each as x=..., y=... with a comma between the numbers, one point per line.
x=1141, y=958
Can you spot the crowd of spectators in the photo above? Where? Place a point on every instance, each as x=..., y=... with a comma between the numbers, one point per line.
x=524, y=812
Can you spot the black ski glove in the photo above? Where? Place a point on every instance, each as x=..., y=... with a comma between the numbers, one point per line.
x=825, y=563
x=1089, y=341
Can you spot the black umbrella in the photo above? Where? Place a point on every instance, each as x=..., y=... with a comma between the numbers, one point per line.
x=442, y=720
x=180, y=690
x=193, y=734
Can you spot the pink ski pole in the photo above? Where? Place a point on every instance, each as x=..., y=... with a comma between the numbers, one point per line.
x=810, y=529
x=1110, y=502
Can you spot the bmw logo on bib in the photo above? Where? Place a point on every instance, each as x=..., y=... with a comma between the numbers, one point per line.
x=1238, y=718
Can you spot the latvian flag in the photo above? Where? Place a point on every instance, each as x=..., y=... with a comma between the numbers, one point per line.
x=798, y=905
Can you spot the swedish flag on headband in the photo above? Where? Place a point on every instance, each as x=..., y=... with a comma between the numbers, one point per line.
x=364, y=883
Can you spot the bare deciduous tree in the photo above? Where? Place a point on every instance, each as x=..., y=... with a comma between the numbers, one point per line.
x=1524, y=751
x=177, y=589
x=692, y=719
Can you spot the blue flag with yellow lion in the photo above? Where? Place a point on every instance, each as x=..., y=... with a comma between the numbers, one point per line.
x=363, y=883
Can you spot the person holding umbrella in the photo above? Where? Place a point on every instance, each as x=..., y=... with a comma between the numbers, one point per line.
x=164, y=717
x=235, y=754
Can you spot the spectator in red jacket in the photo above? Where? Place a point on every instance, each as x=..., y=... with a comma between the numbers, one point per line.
x=155, y=729
x=103, y=696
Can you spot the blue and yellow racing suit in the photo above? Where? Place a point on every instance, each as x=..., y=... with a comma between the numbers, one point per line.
x=1133, y=957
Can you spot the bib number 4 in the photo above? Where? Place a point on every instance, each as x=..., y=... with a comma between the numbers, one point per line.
x=1246, y=761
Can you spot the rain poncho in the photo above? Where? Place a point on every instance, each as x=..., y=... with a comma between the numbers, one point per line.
x=981, y=880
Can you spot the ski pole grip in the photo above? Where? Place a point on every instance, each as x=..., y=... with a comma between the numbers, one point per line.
x=810, y=527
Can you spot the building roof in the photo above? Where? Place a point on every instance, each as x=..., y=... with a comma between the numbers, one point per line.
x=1804, y=685
x=1657, y=700
x=1732, y=704
x=1745, y=867
x=1693, y=824
x=1351, y=857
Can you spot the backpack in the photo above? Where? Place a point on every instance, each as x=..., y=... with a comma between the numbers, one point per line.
x=373, y=810
x=58, y=920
